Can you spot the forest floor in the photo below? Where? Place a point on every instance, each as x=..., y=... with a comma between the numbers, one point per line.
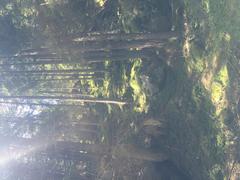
x=193, y=92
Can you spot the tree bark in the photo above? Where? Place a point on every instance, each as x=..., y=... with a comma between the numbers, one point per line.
x=49, y=76
x=66, y=93
x=39, y=104
x=50, y=71
x=86, y=58
x=72, y=99
x=77, y=49
x=70, y=79
x=122, y=36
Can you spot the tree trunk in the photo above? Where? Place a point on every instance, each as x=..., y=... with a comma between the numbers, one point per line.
x=49, y=76
x=65, y=93
x=70, y=79
x=121, y=36
x=39, y=104
x=77, y=49
x=50, y=71
x=69, y=98
x=86, y=57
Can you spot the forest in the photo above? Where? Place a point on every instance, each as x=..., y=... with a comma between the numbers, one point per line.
x=119, y=90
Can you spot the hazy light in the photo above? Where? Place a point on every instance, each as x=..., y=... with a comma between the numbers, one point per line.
x=11, y=154
x=4, y=159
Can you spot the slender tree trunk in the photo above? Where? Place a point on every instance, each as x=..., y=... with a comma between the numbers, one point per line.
x=66, y=98
x=39, y=104
x=65, y=93
x=67, y=154
x=33, y=50
x=121, y=36
x=68, y=79
x=85, y=58
x=60, y=89
x=37, y=55
x=53, y=75
x=120, y=151
x=86, y=123
x=64, y=79
x=41, y=144
x=70, y=74
x=50, y=71
x=77, y=49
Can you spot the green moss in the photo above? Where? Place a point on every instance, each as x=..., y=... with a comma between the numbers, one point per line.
x=92, y=86
x=199, y=65
x=139, y=96
x=222, y=77
x=100, y=2
x=218, y=90
x=106, y=85
x=216, y=173
x=123, y=88
x=200, y=96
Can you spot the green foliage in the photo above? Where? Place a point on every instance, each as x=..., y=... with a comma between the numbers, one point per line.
x=138, y=16
x=139, y=96
x=193, y=100
x=213, y=27
x=17, y=24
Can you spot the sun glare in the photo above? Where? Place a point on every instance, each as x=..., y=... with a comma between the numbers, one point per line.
x=4, y=158
x=7, y=156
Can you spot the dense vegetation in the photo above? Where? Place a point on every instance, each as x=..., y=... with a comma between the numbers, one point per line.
x=119, y=89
